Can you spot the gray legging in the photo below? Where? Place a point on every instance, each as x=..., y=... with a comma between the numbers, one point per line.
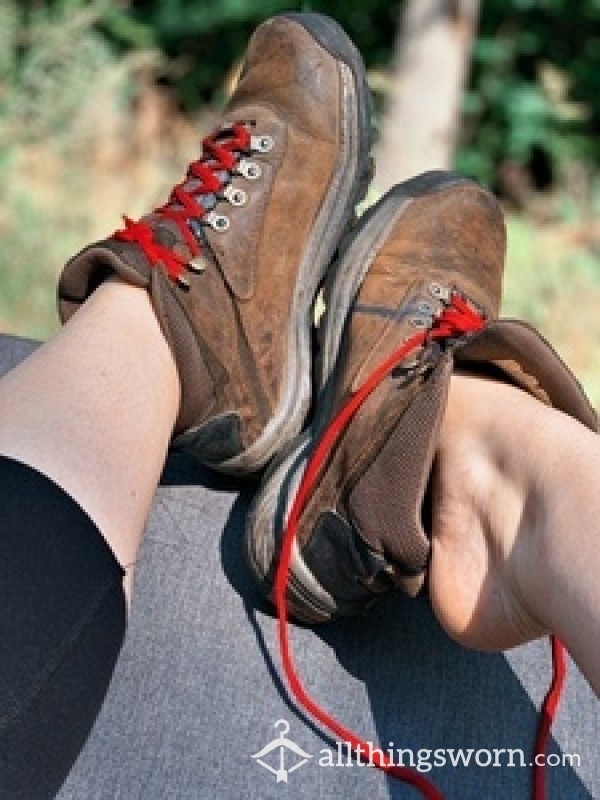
x=196, y=691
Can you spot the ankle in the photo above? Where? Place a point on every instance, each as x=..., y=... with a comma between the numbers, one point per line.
x=128, y=308
x=475, y=468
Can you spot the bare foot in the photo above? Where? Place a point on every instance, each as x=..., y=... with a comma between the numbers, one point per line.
x=480, y=516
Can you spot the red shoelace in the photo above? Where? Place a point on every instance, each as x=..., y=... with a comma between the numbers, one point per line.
x=457, y=319
x=207, y=176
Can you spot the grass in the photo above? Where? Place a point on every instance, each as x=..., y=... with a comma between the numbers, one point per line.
x=35, y=241
x=553, y=281
x=61, y=191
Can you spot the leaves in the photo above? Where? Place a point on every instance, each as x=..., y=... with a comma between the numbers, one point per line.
x=533, y=84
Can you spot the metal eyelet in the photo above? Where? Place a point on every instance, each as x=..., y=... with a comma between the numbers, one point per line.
x=235, y=196
x=249, y=169
x=418, y=322
x=406, y=366
x=262, y=144
x=441, y=292
x=218, y=222
x=196, y=265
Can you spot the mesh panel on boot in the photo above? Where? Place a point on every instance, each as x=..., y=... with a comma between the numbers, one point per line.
x=385, y=504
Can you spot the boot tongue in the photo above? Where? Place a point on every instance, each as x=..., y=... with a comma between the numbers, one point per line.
x=230, y=256
x=167, y=233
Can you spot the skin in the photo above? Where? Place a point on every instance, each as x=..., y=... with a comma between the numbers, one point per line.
x=94, y=409
x=516, y=495
x=515, y=529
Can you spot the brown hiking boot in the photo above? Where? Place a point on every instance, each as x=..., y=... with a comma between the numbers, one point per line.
x=234, y=259
x=414, y=285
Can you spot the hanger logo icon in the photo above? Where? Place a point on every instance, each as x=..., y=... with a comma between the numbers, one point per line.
x=284, y=750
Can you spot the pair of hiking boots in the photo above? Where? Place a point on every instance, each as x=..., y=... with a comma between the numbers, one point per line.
x=232, y=264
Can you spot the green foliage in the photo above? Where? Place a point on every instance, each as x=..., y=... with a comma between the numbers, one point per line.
x=533, y=98
x=53, y=58
x=51, y=55
x=534, y=95
x=552, y=280
x=203, y=39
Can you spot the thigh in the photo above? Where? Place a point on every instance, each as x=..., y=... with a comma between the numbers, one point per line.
x=62, y=620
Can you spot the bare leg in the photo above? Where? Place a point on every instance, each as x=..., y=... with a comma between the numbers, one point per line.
x=94, y=408
x=516, y=524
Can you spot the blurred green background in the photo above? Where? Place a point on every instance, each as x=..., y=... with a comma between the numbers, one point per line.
x=102, y=105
